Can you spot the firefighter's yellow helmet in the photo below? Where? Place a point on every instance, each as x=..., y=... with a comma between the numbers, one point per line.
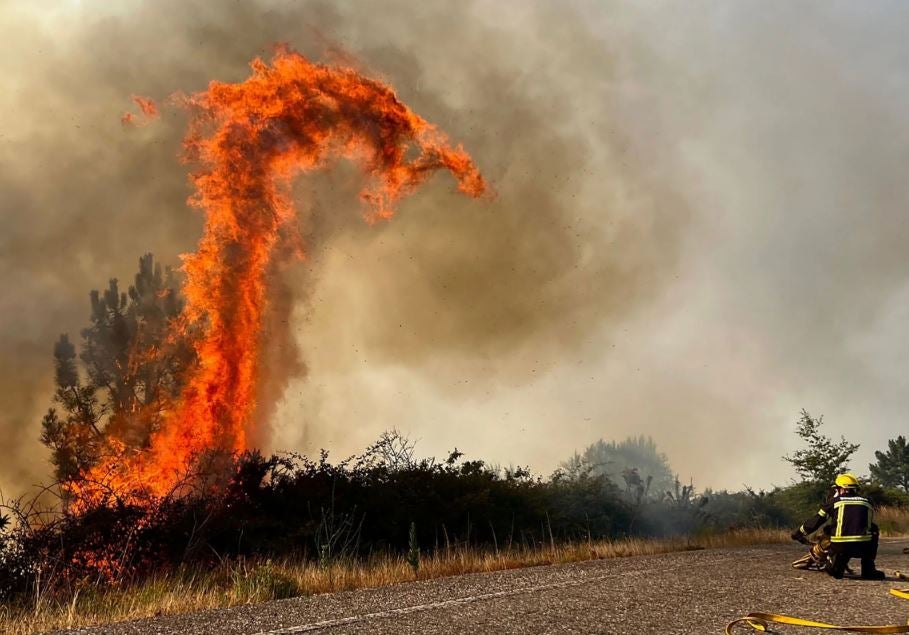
x=846, y=481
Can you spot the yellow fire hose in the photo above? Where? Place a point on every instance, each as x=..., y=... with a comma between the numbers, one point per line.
x=761, y=621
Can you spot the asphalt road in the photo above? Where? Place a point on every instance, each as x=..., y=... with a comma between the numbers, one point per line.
x=695, y=593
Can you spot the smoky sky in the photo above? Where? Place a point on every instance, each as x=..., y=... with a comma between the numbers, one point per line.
x=698, y=226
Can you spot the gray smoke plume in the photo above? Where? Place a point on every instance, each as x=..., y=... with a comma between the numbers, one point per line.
x=697, y=228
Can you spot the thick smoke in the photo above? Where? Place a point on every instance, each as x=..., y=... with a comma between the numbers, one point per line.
x=497, y=292
x=696, y=231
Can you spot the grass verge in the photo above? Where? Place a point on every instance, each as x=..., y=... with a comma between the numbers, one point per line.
x=893, y=521
x=247, y=582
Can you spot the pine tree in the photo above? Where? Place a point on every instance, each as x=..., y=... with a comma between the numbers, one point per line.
x=75, y=438
x=892, y=467
x=133, y=356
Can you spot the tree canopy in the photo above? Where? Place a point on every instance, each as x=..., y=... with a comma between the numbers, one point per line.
x=822, y=458
x=892, y=466
x=635, y=462
x=127, y=374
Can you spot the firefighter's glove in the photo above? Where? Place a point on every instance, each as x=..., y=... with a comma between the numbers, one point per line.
x=798, y=536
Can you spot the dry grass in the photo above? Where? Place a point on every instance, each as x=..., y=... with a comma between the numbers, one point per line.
x=238, y=583
x=893, y=521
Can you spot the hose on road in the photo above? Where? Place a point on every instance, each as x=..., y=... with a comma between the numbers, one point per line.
x=761, y=621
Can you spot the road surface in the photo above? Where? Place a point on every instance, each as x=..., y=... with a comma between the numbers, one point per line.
x=695, y=593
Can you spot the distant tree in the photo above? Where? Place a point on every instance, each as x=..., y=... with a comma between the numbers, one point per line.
x=395, y=449
x=132, y=362
x=892, y=467
x=822, y=458
x=635, y=462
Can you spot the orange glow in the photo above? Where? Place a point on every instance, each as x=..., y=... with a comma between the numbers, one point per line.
x=250, y=140
x=146, y=105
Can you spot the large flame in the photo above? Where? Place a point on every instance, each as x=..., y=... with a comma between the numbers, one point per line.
x=251, y=139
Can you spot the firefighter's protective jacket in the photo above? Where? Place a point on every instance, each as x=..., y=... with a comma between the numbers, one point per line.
x=851, y=517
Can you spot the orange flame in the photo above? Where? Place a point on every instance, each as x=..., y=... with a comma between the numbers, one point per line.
x=146, y=105
x=251, y=139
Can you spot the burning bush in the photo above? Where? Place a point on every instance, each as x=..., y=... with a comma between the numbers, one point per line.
x=290, y=505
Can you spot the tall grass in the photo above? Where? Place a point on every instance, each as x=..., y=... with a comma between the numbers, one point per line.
x=246, y=582
x=893, y=521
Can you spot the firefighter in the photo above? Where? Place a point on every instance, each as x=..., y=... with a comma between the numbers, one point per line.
x=852, y=532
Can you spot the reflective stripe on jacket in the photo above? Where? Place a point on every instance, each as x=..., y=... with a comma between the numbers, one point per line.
x=851, y=515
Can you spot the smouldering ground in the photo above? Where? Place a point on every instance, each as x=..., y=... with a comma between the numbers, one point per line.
x=685, y=592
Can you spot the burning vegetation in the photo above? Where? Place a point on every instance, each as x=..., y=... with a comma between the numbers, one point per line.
x=181, y=375
x=153, y=415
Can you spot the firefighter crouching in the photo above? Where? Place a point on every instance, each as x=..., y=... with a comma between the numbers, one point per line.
x=852, y=531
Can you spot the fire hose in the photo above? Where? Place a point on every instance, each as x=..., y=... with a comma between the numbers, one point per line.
x=761, y=621
x=815, y=559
